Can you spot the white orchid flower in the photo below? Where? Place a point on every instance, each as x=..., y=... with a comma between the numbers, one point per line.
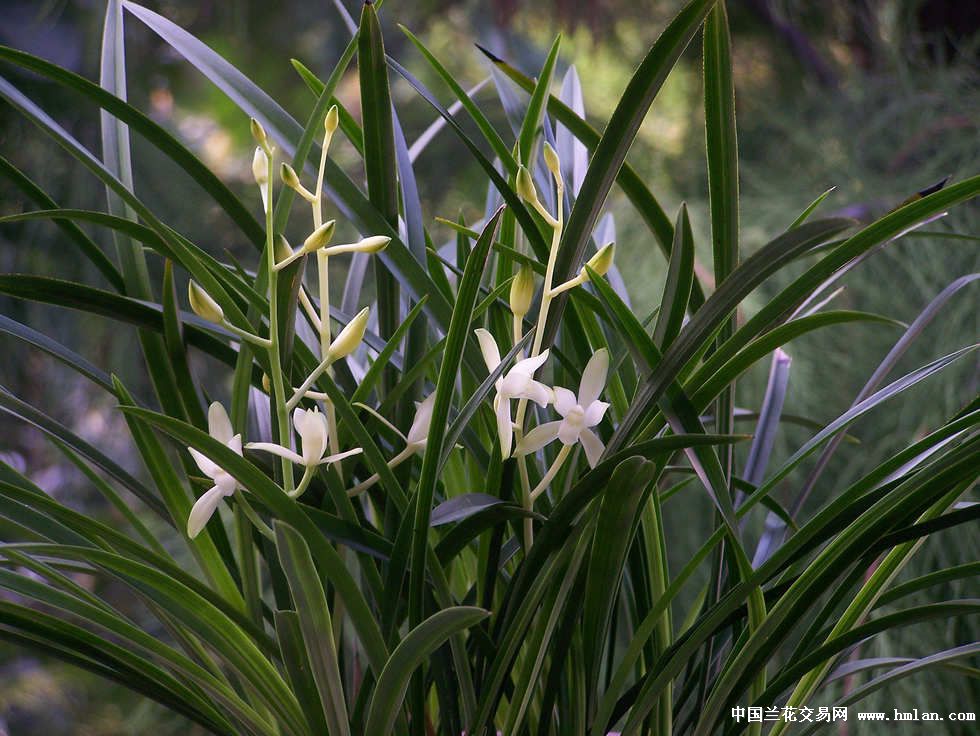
x=314, y=435
x=219, y=427
x=517, y=383
x=418, y=436
x=418, y=433
x=579, y=414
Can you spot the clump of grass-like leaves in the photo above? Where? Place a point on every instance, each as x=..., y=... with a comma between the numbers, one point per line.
x=461, y=528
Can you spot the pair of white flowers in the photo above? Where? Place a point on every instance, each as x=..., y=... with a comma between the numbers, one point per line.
x=314, y=436
x=579, y=413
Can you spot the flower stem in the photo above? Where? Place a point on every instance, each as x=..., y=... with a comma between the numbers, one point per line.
x=310, y=380
x=393, y=463
x=262, y=342
x=557, y=227
x=552, y=472
x=253, y=517
x=304, y=300
x=323, y=283
x=275, y=357
x=304, y=482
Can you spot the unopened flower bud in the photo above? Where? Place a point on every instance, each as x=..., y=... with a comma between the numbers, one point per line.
x=258, y=133
x=203, y=305
x=266, y=383
x=602, y=261
x=374, y=244
x=332, y=120
x=525, y=186
x=319, y=237
x=522, y=291
x=291, y=180
x=260, y=167
x=551, y=160
x=350, y=337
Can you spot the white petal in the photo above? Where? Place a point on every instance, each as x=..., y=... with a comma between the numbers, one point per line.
x=276, y=450
x=530, y=365
x=592, y=445
x=537, y=438
x=219, y=425
x=594, y=413
x=300, y=420
x=226, y=482
x=568, y=433
x=564, y=400
x=515, y=384
x=203, y=510
x=311, y=426
x=505, y=428
x=488, y=346
x=594, y=377
x=340, y=456
x=315, y=444
x=539, y=393
x=419, y=430
x=207, y=466
x=235, y=444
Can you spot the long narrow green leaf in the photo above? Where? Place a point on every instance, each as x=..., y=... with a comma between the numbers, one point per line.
x=445, y=385
x=316, y=624
x=709, y=318
x=18, y=408
x=105, y=303
x=379, y=159
x=272, y=496
x=610, y=153
x=534, y=116
x=617, y=514
x=415, y=649
x=75, y=234
x=677, y=288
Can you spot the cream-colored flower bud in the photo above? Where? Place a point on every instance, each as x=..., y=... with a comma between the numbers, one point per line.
x=332, y=120
x=266, y=383
x=260, y=167
x=374, y=244
x=291, y=180
x=319, y=237
x=522, y=291
x=258, y=133
x=283, y=249
x=525, y=185
x=602, y=261
x=289, y=177
x=203, y=305
x=551, y=160
x=350, y=337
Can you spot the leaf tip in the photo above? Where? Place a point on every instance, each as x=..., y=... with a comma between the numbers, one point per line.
x=489, y=54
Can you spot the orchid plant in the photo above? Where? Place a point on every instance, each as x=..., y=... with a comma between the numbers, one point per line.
x=448, y=544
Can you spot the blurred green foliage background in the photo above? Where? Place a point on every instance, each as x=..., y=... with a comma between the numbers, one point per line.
x=878, y=98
